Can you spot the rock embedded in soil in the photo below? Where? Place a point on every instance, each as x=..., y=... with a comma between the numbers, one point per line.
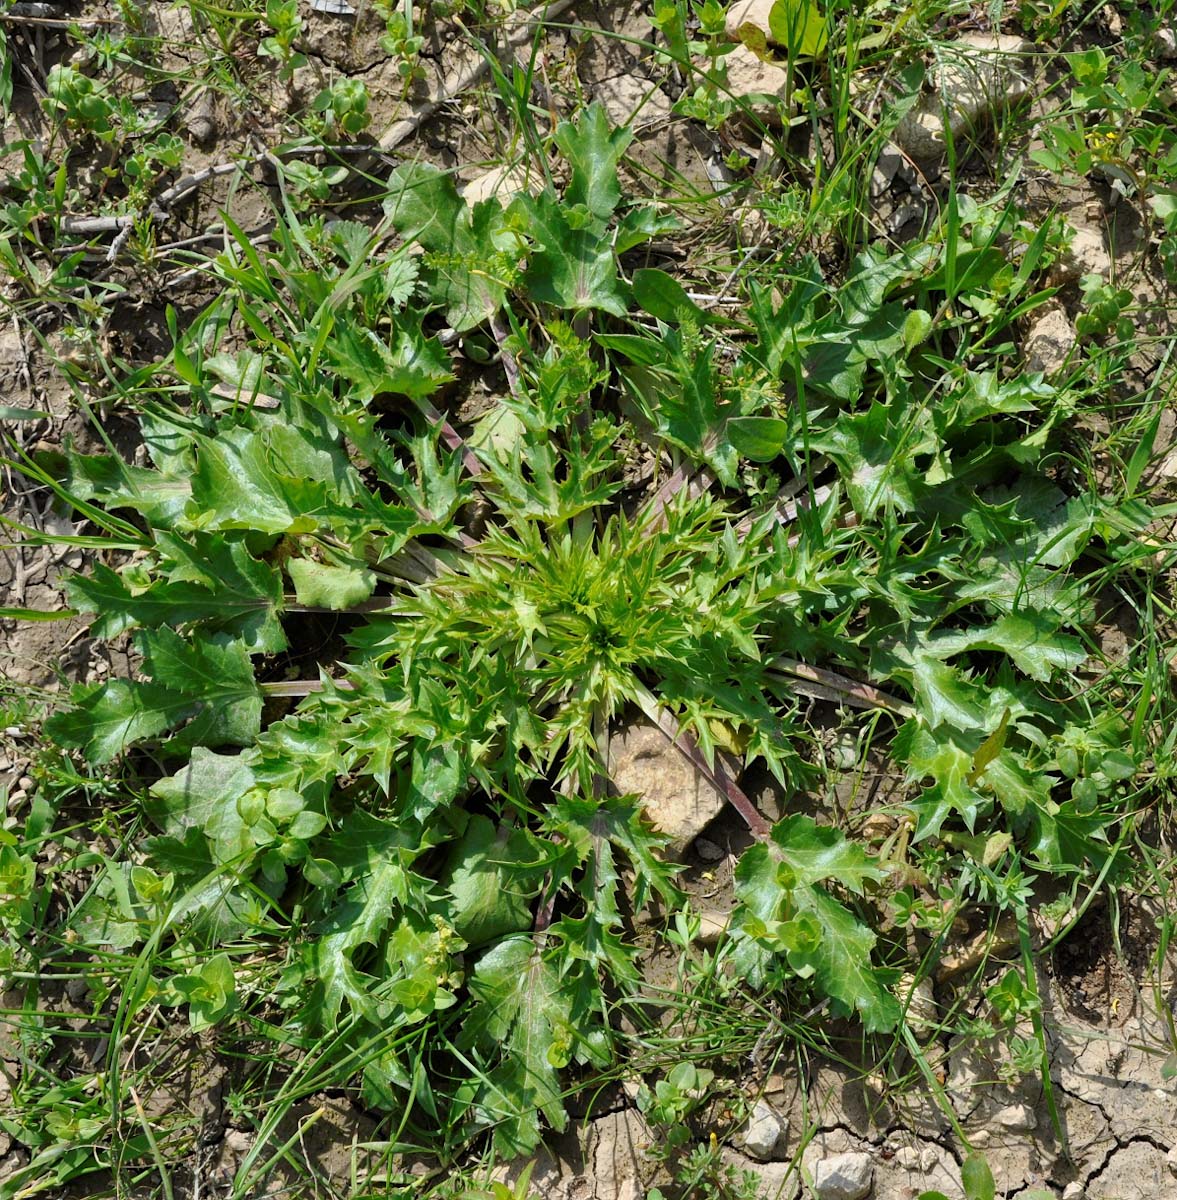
x=1017, y=1118
x=632, y=98
x=200, y=122
x=891, y=164
x=677, y=799
x=844, y=1177
x=921, y=1011
x=1086, y=255
x=712, y=926
x=974, y=77
x=1050, y=342
x=751, y=16
x=748, y=75
x=505, y=182
x=767, y=1134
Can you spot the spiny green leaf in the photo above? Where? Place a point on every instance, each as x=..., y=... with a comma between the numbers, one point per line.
x=214, y=674
x=780, y=877
x=464, y=246
x=573, y=268
x=491, y=878
x=1030, y=639
x=327, y=586
x=248, y=592
x=522, y=1018
x=359, y=919
x=412, y=365
x=874, y=457
x=940, y=756
x=593, y=151
x=843, y=964
x=105, y=718
x=813, y=853
x=245, y=598
x=160, y=497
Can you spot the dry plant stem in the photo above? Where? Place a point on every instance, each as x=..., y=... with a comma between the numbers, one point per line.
x=466, y=78
x=510, y=367
x=452, y=438
x=297, y=688
x=158, y=210
x=715, y=775
x=187, y=184
x=842, y=688
x=787, y=507
x=695, y=480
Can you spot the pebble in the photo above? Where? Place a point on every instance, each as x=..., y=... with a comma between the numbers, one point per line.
x=712, y=926
x=1017, y=1118
x=766, y=1135
x=1086, y=256
x=749, y=12
x=201, y=121
x=974, y=76
x=748, y=75
x=708, y=851
x=877, y=826
x=844, y=1177
x=1049, y=343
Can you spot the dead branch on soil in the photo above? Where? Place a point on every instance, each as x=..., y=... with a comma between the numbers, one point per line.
x=466, y=77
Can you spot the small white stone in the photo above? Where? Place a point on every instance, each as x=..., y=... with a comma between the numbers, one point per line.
x=504, y=182
x=843, y=1177
x=766, y=1135
x=712, y=926
x=1049, y=343
x=919, y=999
x=754, y=13
x=1017, y=1118
x=1073, y=1191
x=974, y=77
x=915, y=1158
x=748, y=75
x=1164, y=43
x=1085, y=256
